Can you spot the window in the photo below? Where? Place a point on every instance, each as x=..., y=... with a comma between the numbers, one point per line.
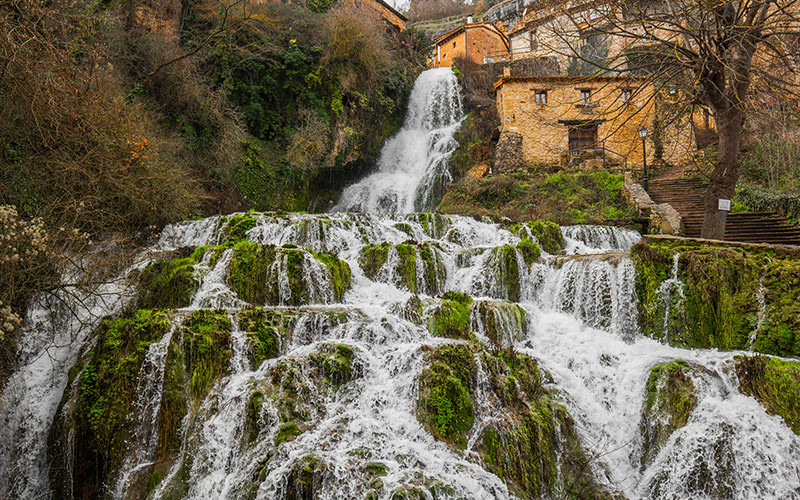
x=532, y=42
x=586, y=96
x=626, y=96
x=454, y=44
x=541, y=97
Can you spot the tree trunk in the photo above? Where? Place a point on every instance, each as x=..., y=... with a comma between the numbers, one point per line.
x=725, y=174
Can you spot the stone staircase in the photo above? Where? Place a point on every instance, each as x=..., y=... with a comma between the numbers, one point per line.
x=686, y=195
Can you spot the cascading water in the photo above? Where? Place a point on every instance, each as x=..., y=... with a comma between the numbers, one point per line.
x=311, y=388
x=412, y=169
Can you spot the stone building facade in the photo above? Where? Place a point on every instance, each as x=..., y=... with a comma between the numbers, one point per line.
x=560, y=117
x=476, y=42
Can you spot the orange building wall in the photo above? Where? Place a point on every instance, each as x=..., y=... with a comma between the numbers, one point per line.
x=473, y=43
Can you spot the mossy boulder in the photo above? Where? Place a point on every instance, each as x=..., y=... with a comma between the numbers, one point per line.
x=169, y=284
x=727, y=297
x=305, y=479
x=775, y=383
x=434, y=224
x=547, y=233
x=267, y=331
x=504, y=269
x=534, y=446
x=335, y=364
x=451, y=317
x=206, y=342
x=444, y=404
x=266, y=274
x=104, y=414
x=529, y=250
x=670, y=400
x=405, y=258
x=235, y=228
x=502, y=323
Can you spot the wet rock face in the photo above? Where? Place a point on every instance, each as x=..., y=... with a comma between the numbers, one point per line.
x=724, y=297
x=669, y=401
x=775, y=383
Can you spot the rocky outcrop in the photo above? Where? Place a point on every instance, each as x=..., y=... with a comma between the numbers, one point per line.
x=508, y=153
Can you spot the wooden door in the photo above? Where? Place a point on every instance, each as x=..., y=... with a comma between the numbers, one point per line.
x=581, y=138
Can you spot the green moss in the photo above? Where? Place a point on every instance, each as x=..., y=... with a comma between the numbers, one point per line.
x=236, y=227
x=404, y=227
x=334, y=361
x=108, y=385
x=433, y=267
x=256, y=273
x=547, y=233
x=339, y=272
x=774, y=383
x=408, y=493
x=529, y=250
x=434, y=224
x=168, y=284
x=287, y=431
x=504, y=323
x=506, y=270
x=207, y=349
x=451, y=318
x=266, y=331
x=254, y=406
x=407, y=266
x=376, y=469
x=304, y=479
x=445, y=405
x=670, y=400
x=372, y=258
x=248, y=272
x=533, y=447
x=717, y=304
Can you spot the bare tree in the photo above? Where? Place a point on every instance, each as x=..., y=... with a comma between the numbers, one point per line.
x=718, y=54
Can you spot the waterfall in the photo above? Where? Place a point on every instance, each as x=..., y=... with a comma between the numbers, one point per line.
x=296, y=366
x=412, y=169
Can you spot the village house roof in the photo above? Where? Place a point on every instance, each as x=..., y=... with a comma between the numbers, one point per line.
x=455, y=31
x=569, y=79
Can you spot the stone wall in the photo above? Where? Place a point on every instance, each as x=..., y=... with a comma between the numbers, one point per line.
x=545, y=128
x=508, y=153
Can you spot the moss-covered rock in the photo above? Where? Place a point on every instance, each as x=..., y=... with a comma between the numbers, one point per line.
x=169, y=284
x=529, y=250
x=718, y=301
x=670, y=400
x=547, y=233
x=266, y=274
x=434, y=224
x=444, y=403
x=775, y=383
x=404, y=274
x=451, y=317
x=505, y=269
x=502, y=323
x=335, y=363
x=267, y=330
x=305, y=479
x=206, y=339
x=107, y=385
x=236, y=227
x=534, y=448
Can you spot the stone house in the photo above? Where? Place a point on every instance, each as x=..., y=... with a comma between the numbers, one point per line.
x=477, y=42
x=553, y=118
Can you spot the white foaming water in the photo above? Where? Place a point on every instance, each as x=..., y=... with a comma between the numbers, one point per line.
x=412, y=169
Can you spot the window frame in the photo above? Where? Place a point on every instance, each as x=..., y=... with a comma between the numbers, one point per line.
x=540, y=97
x=586, y=96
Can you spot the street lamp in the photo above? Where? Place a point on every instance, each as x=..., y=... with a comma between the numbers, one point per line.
x=643, y=135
